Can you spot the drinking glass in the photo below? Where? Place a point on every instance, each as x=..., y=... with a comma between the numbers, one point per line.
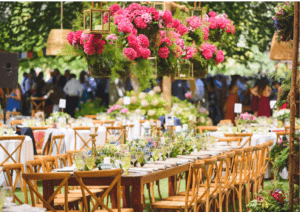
x=8, y=194
x=156, y=154
x=140, y=158
x=126, y=161
x=2, y=131
x=234, y=130
x=147, y=153
x=78, y=160
x=10, y=131
x=239, y=128
x=89, y=161
x=133, y=157
x=117, y=158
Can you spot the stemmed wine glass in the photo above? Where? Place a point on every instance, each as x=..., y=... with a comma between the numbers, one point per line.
x=133, y=157
x=9, y=195
x=147, y=153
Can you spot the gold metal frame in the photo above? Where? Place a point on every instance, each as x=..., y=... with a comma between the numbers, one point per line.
x=196, y=8
x=90, y=29
x=181, y=76
x=157, y=3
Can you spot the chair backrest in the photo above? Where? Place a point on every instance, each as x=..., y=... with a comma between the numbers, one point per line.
x=91, y=116
x=15, y=122
x=287, y=129
x=62, y=160
x=248, y=141
x=279, y=135
x=111, y=130
x=225, y=121
x=12, y=113
x=40, y=128
x=10, y=152
x=97, y=122
x=8, y=171
x=63, y=177
x=201, y=129
x=38, y=104
x=50, y=163
x=108, y=123
x=56, y=142
x=231, y=139
x=40, y=114
x=85, y=142
x=96, y=175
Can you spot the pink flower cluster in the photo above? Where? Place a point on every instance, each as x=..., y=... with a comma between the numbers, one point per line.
x=247, y=117
x=124, y=110
x=194, y=23
x=208, y=50
x=112, y=38
x=188, y=95
x=137, y=47
x=113, y=108
x=278, y=195
x=91, y=43
x=190, y=52
x=163, y=52
x=220, y=21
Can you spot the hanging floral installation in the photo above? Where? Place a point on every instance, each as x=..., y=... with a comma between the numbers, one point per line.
x=139, y=32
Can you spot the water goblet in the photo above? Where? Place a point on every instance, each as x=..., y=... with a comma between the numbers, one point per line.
x=89, y=161
x=133, y=157
x=126, y=161
x=9, y=195
x=147, y=153
x=156, y=154
x=140, y=158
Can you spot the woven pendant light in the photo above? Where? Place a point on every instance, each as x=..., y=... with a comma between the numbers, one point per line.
x=281, y=51
x=57, y=39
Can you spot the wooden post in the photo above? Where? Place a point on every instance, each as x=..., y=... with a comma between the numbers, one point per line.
x=167, y=91
x=293, y=103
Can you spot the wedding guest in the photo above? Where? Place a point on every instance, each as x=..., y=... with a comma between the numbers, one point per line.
x=73, y=90
x=25, y=77
x=254, y=100
x=179, y=89
x=263, y=91
x=14, y=99
x=59, y=79
x=213, y=107
x=48, y=75
x=278, y=89
x=83, y=80
x=231, y=100
x=67, y=75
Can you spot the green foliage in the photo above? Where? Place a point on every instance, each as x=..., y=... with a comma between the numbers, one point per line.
x=90, y=108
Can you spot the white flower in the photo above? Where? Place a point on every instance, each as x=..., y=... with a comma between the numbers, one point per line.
x=157, y=89
x=120, y=101
x=142, y=95
x=144, y=103
x=179, y=112
x=202, y=119
x=151, y=112
x=154, y=102
x=138, y=111
x=152, y=93
x=133, y=99
x=175, y=105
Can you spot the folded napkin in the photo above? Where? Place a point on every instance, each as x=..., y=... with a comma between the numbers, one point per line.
x=158, y=166
x=200, y=155
x=167, y=163
x=66, y=169
x=137, y=169
x=178, y=161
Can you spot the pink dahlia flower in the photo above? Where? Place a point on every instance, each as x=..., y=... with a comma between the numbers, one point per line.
x=207, y=54
x=163, y=52
x=175, y=23
x=167, y=17
x=143, y=52
x=125, y=27
x=213, y=23
x=220, y=57
x=114, y=8
x=147, y=18
x=140, y=23
x=89, y=48
x=222, y=22
x=130, y=53
x=212, y=14
x=70, y=37
x=154, y=13
x=143, y=40
x=84, y=38
x=132, y=41
x=182, y=29
x=76, y=38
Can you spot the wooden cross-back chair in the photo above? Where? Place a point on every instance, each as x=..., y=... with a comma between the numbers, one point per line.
x=225, y=121
x=38, y=104
x=99, y=201
x=279, y=135
x=91, y=116
x=248, y=141
x=189, y=198
x=85, y=142
x=17, y=150
x=287, y=129
x=57, y=142
x=111, y=130
x=108, y=123
x=202, y=129
x=15, y=122
x=97, y=122
x=59, y=203
x=12, y=113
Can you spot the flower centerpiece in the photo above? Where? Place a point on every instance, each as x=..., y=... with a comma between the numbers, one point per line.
x=281, y=116
x=275, y=200
x=117, y=109
x=284, y=21
x=55, y=116
x=247, y=118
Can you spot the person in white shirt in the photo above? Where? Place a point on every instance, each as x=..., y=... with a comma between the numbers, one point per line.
x=73, y=91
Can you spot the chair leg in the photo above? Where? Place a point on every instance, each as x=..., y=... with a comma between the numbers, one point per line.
x=158, y=188
x=233, y=199
x=240, y=199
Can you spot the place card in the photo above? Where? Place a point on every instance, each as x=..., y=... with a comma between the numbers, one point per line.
x=238, y=108
x=62, y=103
x=126, y=100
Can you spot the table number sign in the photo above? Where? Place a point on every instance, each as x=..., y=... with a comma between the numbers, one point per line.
x=169, y=120
x=238, y=108
x=62, y=103
x=272, y=104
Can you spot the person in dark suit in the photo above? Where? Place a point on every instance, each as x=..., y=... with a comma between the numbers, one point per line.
x=59, y=79
x=179, y=89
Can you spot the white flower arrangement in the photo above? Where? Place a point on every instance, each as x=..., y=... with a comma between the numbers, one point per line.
x=282, y=114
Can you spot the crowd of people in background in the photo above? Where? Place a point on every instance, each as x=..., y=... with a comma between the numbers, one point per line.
x=217, y=94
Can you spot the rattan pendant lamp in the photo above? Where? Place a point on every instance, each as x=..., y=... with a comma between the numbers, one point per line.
x=281, y=51
x=57, y=39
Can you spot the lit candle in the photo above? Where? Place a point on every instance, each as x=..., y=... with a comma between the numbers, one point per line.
x=98, y=27
x=158, y=123
x=92, y=130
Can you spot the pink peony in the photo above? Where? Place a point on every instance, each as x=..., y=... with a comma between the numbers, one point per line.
x=140, y=23
x=175, y=23
x=220, y=57
x=120, y=18
x=190, y=52
x=212, y=14
x=114, y=8
x=167, y=17
x=109, y=110
x=70, y=37
x=124, y=110
x=130, y=53
x=188, y=95
x=134, y=6
x=182, y=29
x=132, y=41
x=143, y=40
x=207, y=54
x=163, y=52
x=222, y=22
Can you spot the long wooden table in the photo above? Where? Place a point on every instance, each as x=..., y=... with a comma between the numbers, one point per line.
x=135, y=180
